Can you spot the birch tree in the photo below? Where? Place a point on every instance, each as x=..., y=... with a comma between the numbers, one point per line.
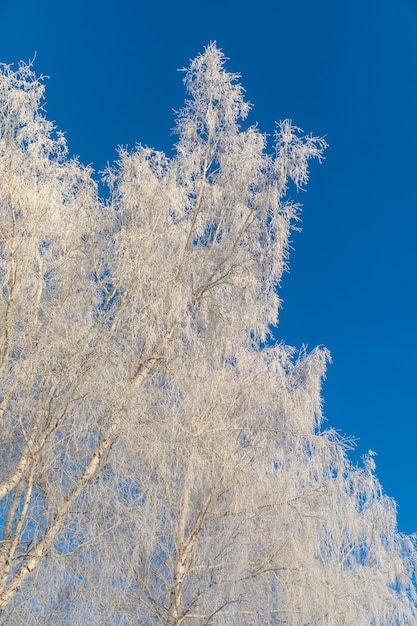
x=163, y=461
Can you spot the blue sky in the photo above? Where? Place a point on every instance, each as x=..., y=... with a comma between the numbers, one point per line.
x=346, y=70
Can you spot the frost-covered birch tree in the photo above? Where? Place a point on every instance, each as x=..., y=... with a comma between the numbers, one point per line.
x=162, y=460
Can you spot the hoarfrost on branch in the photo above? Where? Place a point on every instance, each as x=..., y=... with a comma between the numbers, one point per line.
x=163, y=461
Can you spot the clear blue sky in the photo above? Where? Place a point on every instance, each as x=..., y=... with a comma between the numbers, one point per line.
x=344, y=69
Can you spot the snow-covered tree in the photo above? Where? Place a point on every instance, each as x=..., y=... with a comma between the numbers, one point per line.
x=163, y=461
